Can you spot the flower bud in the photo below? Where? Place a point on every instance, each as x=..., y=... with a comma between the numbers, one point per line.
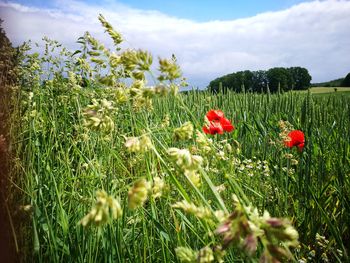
x=137, y=194
x=185, y=254
x=205, y=255
x=184, y=132
x=191, y=208
x=138, y=144
x=132, y=144
x=158, y=185
x=194, y=177
x=294, y=162
x=250, y=243
x=106, y=208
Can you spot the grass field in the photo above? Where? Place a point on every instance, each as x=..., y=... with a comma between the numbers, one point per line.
x=62, y=164
x=108, y=171
x=318, y=90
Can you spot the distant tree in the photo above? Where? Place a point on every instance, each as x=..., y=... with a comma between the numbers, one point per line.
x=279, y=78
x=301, y=78
x=228, y=81
x=248, y=80
x=331, y=83
x=239, y=81
x=346, y=81
x=260, y=81
x=214, y=85
x=235, y=82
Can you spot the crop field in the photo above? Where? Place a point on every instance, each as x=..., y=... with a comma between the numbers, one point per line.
x=111, y=168
x=316, y=90
x=328, y=91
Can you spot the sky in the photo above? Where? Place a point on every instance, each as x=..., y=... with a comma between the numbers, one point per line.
x=209, y=38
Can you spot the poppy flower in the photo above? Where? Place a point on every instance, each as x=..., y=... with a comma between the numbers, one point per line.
x=217, y=123
x=295, y=138
x=215, y=115
x=226, y=125
x=214, y=128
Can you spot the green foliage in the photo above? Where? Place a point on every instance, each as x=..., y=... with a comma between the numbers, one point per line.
x=346, y=81
x=8, y=59
x=300, y=78
x=279, y=79
x=283, y=79
x=67, y=164
x=331, y=83
x=8, y=193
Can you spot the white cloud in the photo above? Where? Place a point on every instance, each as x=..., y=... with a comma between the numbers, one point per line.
x=314, y=35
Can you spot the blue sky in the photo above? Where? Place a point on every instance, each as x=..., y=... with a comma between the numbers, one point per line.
x=209, y=38
x=198, y=10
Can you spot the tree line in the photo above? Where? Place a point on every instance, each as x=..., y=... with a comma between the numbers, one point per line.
x=274, y=79
x=341, y=82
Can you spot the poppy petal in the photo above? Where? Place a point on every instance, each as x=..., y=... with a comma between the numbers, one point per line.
x=288, y=142
x=301, y=147
x=215, y=115
x=205, y=129
x=295, y=138
x=214, y=128
x=226, y=125
x=217, y=129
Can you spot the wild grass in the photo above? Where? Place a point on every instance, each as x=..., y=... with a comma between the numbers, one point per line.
x=60, y=172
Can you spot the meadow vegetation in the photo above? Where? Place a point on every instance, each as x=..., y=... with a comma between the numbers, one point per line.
x=342, y=92
x=113, y=165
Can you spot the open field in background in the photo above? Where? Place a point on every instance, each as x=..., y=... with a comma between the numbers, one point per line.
x=318, y=90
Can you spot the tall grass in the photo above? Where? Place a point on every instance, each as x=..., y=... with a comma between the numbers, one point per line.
x=63, y=160
x=59, y=173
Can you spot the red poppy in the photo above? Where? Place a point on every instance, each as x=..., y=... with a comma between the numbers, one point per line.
x=215, y=115
x=226, y=125
x=218, y=123
x=295, y=138
x=214, y=128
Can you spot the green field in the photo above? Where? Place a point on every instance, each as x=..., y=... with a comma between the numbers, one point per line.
x=316, y=90
x=329, y=91
x=109, y=170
